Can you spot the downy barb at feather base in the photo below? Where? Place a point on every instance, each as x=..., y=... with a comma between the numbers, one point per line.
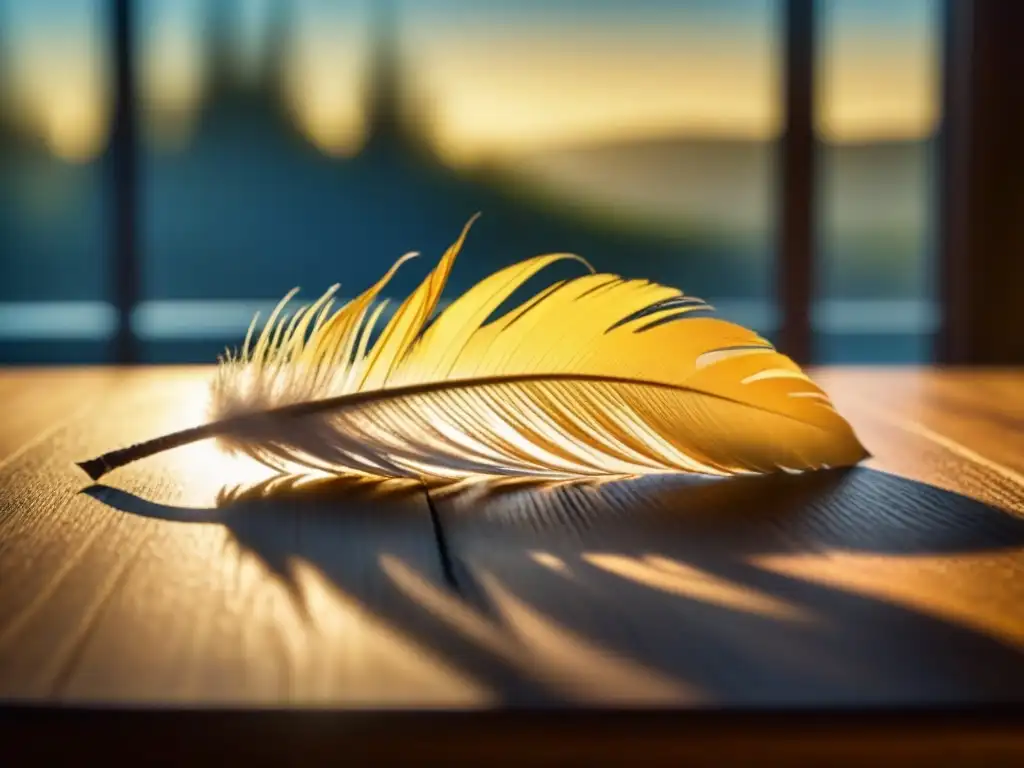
x=595, y=375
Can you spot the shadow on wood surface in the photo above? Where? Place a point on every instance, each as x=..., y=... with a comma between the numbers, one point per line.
x=660, y=590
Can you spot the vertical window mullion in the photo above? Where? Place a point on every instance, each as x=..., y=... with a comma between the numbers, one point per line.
x=795, y=253
x=123, y=157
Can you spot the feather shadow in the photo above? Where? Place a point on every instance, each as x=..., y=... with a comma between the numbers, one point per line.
x=655, y=571
x=850, y=509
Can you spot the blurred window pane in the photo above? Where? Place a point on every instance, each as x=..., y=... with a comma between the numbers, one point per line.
x=310, y=141
x=54, y=125
x=878, y=107
x=305, y=143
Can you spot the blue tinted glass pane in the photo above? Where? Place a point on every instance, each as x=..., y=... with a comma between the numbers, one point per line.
x=307, y=143
x=878, y=109
x=54, y=124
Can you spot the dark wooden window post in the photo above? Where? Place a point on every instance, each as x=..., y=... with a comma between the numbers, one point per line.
x=795, y=253
x=123, y=156
x=981, y=193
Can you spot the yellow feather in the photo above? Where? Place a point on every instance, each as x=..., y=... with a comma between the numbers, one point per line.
x=597, y=375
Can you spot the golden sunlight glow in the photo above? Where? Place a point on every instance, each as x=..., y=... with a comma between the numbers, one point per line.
x=331, y=120
x=324, y=86
x=689, y=581
x=910, y=580
x=59, y=80
x=514, y=94
x=446, y=606
x=74, y=124
x=575, y=663
x=64, y=98
x=549, y=561
x=538, y=646
x=207, y=467
x=374, y=652
x=501, y=95
x=498, y=92
x=882, y=91
x=173, y=76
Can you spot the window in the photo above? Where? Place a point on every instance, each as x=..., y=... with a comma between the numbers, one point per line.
x=877, y=114
x=251, y=176
x=54, y=201
x=304, y=142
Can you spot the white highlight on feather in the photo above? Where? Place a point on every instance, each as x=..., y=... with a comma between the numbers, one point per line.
x=718, y=355
x=815, y=395
x=774, y=373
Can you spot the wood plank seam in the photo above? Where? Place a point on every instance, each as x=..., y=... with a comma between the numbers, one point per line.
x=459, y=578
x=441, y=541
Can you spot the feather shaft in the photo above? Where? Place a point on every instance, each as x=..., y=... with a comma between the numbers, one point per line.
x=101, y=465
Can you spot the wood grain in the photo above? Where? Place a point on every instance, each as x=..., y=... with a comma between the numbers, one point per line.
x=190, y=579
x=150, y=592
x=973, y=414
x=901, y=582
x=31, y=407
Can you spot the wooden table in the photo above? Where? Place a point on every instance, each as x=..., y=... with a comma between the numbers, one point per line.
x=189, y=595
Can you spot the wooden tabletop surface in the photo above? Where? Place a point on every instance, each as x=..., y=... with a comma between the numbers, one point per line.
x=191, y=579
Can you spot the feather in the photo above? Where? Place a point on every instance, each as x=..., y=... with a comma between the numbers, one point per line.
x=596, y=375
